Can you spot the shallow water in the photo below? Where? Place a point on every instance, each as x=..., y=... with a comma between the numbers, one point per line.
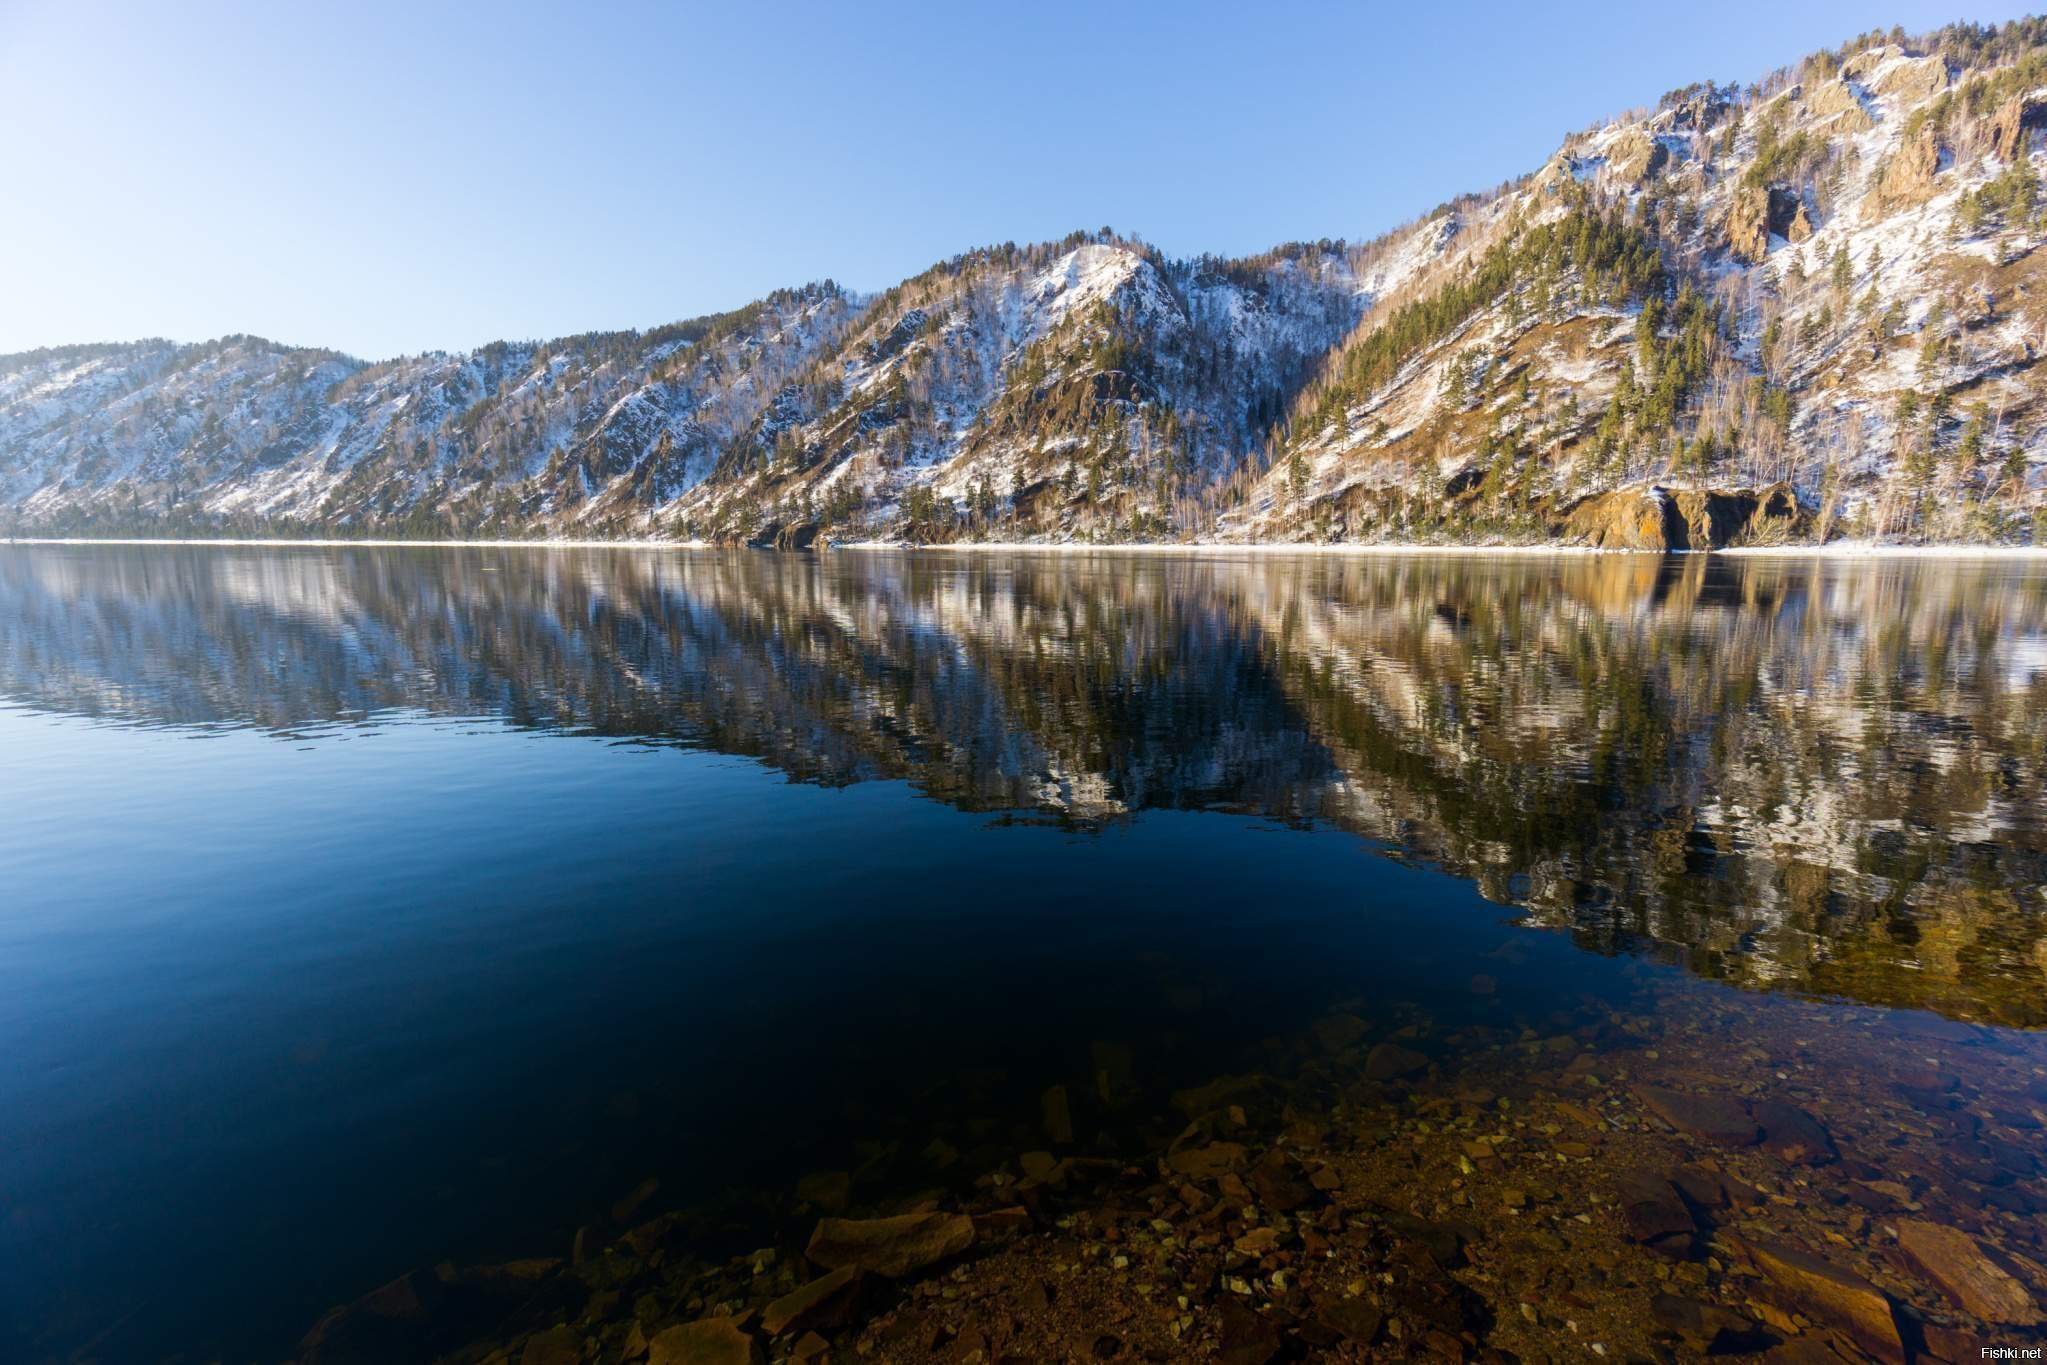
x=367, y=908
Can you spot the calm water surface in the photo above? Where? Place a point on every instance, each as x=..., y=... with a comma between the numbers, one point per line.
x=361, y=908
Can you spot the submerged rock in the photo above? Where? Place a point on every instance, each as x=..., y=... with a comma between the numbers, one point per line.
x=1206, y=1163
x=1058, y=1115
x=827, y=1190
x=1392, y=1062
x=890, y=1246
x=1792, y=1134
x=1719, y=1119
x=1952, y=1260
x=389, y=1324
x=1827, y=1291
x=558, y=1345
x=709, y=1341
x=1655, y=1216
x=1707, y=1327
x=828, y=1301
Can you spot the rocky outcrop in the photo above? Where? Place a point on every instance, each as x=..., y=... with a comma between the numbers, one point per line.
x=1685, y=519
x=1634, y=157
x=1625, y=519
x=1833, y=105
x=1758, y=214
x=2011, y=126
x=1907, y=178
x=1890, y=72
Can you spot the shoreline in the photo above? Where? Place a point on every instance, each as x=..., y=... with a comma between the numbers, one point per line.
x=1204, y=549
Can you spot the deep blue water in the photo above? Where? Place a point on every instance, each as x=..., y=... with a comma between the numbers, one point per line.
x=365, y=908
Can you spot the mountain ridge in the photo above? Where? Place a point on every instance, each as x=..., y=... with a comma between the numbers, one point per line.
x=1801, y=309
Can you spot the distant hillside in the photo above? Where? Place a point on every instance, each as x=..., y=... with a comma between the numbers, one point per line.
x=1807, y=308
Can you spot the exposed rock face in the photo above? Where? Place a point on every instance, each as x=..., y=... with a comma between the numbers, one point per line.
x=1635, y=156
x=1758, y=214
x=1907, y=177
x=1834, y=105
x=1625, y=519
x=2013, y=123
x=890, y=1246
x=1889, y=71
x=1748, y=225
x=1800, y=228
x=1952, y=1260
x=1684, y=519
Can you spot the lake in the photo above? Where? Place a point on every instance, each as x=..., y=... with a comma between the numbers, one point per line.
x=370, y=909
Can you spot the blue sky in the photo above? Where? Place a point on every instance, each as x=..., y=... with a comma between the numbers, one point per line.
x=388, y=178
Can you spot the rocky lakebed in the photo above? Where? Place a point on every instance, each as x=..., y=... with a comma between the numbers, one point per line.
x=1703, y=1173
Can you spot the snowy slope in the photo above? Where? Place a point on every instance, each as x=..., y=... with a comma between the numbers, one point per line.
x=1828, y=283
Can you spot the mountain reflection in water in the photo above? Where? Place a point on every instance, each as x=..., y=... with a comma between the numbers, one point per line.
x=1815, y=776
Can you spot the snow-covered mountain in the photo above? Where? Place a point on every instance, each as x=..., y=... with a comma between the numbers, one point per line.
x=1805, y=308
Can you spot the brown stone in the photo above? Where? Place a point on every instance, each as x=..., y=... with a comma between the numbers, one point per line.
x=1834, y=106
x=1816, y=1348
x=1719, y=1119
x=1907, y=177
x=1952, y=1259
x=1708, y=1327
x=1754, y=216
x=2009, y=129
x=828, y=1301
x=1206, y=1163
x=1247, y=1338
x=623, y=1211
x=1338, y=1032
x=1792, y=1134
x=707, y=1341
x=388, y=1323
x=1258, y=1242
x=1954, y=1345
x=1827, y=1291
x=1889, y=70
x=890, y=1246
x=558, y=1345
x=1038, y=1166
x=1354, y=1318
x=1002, y=1222
x=1058, y=1115
x=826, y=1190
x=1654, y=1215
x=1278, y=1184
x=1684, y=519
x=1635, y=156
x=1392, y=1062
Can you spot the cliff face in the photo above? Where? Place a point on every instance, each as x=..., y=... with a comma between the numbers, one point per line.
x=1828, y=281
x=1844, y=302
